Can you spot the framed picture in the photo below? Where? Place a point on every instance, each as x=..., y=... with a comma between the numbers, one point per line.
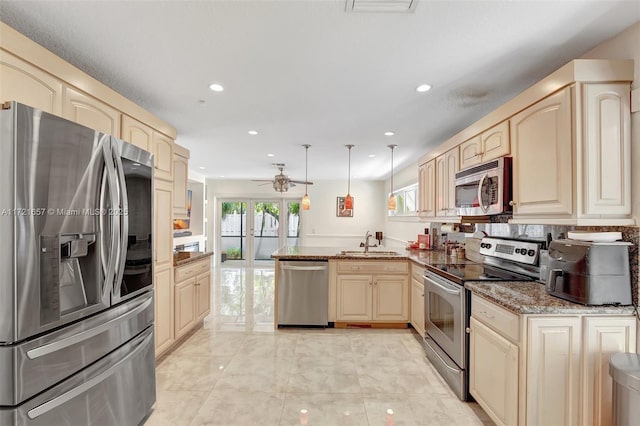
x=340, y=210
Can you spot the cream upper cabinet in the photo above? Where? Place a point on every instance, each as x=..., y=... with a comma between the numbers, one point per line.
x=180, y=178
x=24, y=83
x=571, y=157
x=446, y=168
x=372, y=291
x=606, y=177
x=562, y=368
x=89, y=111
x=489, y=145
x=427, y=189
x=163, y=223
x=542, y=158
x=417, y=299
x=136, y=133
x=163, y=151
x=493, y=373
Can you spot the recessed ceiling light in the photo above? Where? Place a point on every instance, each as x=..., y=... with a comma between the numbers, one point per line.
x=216, y=87
x=221, y=176
x=202, y=167
x=271, y=155
x=372, y=155
x=389, y=133
x=253, y=132
x=423, y=88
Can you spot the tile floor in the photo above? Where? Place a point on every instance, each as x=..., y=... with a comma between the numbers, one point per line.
x=239, y=371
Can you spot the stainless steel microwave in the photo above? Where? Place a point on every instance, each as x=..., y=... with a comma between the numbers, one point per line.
x=484, y=189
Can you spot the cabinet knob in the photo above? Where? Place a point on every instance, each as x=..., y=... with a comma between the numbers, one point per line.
x=512, y=203
x=468, y=330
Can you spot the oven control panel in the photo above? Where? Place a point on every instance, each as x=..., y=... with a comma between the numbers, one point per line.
x=517, y=251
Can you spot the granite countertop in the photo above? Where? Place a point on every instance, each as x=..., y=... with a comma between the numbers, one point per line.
x=532, y=298
x=181, y=258
x=325, y=253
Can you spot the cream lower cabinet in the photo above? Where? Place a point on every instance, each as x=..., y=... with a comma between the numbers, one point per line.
x=192, y=294
x=163, y=313
x=372, y=291
x=417, y=299
x=544, y=369
x=493, y=378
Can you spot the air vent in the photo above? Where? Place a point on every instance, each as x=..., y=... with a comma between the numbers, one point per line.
x=402, y=6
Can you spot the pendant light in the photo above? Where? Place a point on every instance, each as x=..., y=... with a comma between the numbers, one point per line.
x=391, y=202
x=306, y=202
x=348, y=200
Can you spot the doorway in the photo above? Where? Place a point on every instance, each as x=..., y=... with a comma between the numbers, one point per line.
x=250, y=230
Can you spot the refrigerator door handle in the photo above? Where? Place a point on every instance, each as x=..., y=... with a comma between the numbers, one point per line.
x=87, y=334
x=115, y=224
x=101, y=222
x=140, y=342
x=122, y=215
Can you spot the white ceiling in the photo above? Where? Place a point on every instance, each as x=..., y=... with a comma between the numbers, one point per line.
x=307, y=72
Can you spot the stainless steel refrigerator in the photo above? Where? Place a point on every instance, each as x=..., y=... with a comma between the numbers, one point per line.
x=76, y=274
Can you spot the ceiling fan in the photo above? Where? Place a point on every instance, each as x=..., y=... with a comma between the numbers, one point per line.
x=282, y=182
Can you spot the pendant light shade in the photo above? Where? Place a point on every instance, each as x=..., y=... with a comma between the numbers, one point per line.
x=348, y=200
x=306, y=201
x=391, y=202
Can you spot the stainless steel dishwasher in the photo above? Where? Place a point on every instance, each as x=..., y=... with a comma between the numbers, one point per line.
x=303, y=288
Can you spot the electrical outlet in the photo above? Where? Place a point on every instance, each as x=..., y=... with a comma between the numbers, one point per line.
x=635, y=100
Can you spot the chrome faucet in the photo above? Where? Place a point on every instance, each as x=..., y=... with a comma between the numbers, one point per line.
x=366, y=242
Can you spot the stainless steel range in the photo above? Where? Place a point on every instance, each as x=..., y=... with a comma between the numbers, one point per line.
x=448, y=303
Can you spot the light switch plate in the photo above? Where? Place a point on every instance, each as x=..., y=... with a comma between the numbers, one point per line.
x=635, y=100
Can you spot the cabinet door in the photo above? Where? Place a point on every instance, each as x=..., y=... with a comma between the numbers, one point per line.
x=88, y=111
x=603, y=336
x=24, y=83
x=163, y=151
x=354, y=297
x=163, y=223
x=163, y=320
x=470, y=152
x=390, y=298
x=493, y=374
x=495, y=142
x=607, y=149
x=180, y=176
x=542, y=159
x=136, y=133
x=185, y=301
x=553, y=370
x=427, y=184
x=446, y=168
x=417, y=306
x=203, y=299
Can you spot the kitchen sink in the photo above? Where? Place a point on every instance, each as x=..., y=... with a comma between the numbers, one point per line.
x=370, y=253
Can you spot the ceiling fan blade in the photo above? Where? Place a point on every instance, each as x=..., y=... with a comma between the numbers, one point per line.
x=301, y=182
x=262, y=180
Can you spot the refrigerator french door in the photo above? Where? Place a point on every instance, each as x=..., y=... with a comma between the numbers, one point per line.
x=75, y=272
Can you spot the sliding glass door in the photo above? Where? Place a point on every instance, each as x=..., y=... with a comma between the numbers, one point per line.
x=250, y=230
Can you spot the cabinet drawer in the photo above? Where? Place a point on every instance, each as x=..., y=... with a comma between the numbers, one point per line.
x=501, y=320
x=359, y=267
x=191, y=270
x=417, y=272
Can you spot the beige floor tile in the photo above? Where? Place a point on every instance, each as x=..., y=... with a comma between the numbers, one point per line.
x=324, y=409
x=231, y=408
x=175, y=408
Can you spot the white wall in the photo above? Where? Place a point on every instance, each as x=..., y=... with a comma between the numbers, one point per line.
x=626, y=45
x=320, y=227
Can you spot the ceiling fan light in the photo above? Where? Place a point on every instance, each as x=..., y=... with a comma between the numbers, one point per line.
x=306, y=202
x=391, y=202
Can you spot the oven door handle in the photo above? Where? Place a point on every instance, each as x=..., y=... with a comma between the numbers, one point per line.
x=445, y=287
x=442, y=361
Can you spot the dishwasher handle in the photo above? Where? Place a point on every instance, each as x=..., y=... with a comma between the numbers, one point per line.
x=304, y=268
